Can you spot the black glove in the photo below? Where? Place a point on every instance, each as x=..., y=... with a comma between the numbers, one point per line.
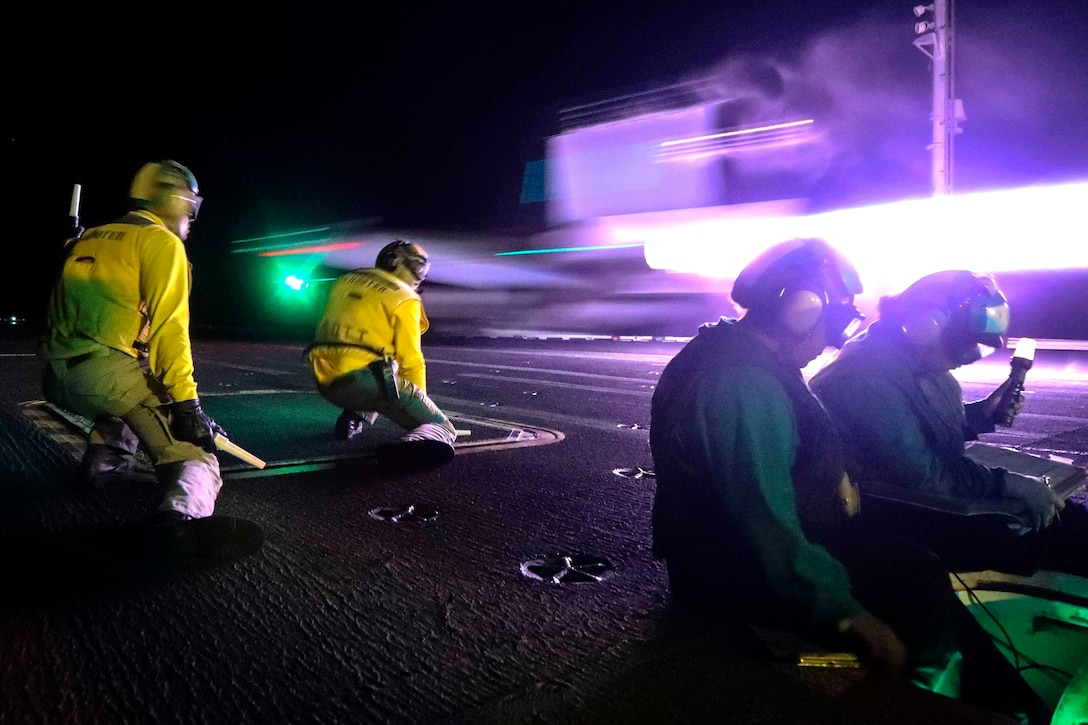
x=189, y=422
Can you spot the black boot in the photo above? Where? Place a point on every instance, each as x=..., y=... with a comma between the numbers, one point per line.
x=173, y=539
x=169, y=517
x=350, y=424
x=100, y=461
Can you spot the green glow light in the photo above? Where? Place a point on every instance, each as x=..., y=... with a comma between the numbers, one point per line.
x=298, y=283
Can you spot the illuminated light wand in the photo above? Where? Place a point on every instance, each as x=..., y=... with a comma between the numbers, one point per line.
x=224, y=444
x=1020, y=363
x=73, y=211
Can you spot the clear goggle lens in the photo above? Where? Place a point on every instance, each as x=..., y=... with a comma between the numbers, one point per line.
x=420, y=267
x=194, y=203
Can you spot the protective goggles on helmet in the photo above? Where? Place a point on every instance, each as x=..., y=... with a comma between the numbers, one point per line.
x=418, y=266
x=841, y=321
x=987, y=321
x=193, y=201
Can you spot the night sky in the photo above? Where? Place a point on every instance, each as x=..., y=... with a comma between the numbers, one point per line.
x=425, y=115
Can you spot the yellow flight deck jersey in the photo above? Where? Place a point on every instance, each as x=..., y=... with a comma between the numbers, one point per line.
x=110, y=274
x=370, y=314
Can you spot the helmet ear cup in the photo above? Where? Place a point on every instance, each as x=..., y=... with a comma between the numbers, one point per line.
x=925, y=328
x=800, y=310
x=391, y=255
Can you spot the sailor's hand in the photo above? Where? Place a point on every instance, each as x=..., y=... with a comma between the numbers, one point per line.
x=189, y=422
x=992, y=404
x=1043, y=504
x=875, y=643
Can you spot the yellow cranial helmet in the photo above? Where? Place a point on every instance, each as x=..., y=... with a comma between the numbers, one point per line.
x=166, y=188
x=400, y=252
